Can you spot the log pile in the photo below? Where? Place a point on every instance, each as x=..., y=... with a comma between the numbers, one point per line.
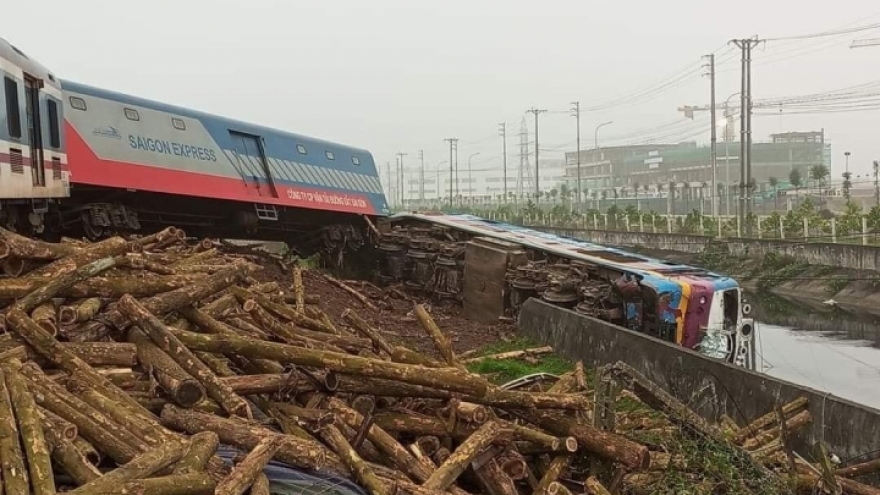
x=125, y=363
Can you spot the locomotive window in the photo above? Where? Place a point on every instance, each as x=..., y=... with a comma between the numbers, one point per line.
x=13, y=116
x=329, y=155
x=355, y=160
x=301, y=149
x=54, y=130
x=132, y=114
x=78, y=103
x=178, y=124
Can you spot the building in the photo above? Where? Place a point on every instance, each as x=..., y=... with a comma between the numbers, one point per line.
x=650, y=169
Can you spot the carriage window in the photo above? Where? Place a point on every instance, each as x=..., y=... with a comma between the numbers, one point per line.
x=12, y=110
x=301, y=149
x=178, y=124
x=329, y=155
x=355, y=160
x=78, y=103
x=54, y=130
x=132, y=114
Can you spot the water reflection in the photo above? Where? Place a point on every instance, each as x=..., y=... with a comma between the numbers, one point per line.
x=819, y=346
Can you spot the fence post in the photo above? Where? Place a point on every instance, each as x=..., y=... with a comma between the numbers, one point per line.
x=806, y=229
x=718, y=226
x=641, y=222
x=738, y=226
x=781, y=229
x=595, y=222
x=605, y=219
x=668, y=224
x=654, y=223
x=626, y=222
x=702, y=228
x=833, y=230
x=760, y=234
x=864, y=230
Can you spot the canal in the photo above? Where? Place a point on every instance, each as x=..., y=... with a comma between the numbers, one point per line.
x=819, y=346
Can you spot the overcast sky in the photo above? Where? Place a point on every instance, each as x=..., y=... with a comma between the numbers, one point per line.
x=393, y=75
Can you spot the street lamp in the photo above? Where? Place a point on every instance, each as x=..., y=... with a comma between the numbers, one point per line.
x=470, y=177
x=596, y=146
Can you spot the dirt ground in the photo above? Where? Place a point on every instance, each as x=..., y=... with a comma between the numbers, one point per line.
x=393, y=315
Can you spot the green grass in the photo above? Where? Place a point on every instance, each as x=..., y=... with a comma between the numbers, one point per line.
x=505, y=370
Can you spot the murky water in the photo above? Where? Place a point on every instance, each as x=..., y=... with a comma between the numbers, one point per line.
x=828, y=349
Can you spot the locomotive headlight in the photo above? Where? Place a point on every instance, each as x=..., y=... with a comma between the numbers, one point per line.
x=703, y=300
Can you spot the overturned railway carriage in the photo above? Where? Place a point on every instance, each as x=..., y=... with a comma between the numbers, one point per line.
x=492, y=268
x=76, y=158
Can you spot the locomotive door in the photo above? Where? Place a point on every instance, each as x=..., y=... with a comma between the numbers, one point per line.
x=34, y=129
x=252, y=165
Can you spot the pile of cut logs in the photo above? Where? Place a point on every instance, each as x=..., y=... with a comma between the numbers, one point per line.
x=125, y=363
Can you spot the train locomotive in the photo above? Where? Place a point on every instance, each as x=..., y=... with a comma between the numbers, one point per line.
x=79, y=159
x=492, y=268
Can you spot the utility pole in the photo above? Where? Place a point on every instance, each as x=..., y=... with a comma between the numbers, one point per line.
x=714, y=139
x=745, y=155
x=537, y=180
x=390, y=195
x=577, y=115
x=422, y=176
x=452, y=143
x=400, y=155
x=503, y=128
x=877, y=182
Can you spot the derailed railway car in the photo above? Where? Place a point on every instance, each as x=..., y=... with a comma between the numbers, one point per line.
x=492, y=268
x=121, y=164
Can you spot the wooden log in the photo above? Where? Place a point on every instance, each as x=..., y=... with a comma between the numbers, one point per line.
x=108, y=248
x=280, y=310
x=142, y=466
x=88, y=451
x=51, y=289
x=82, y=312
x=30, y=428
x=202, y=447
x=385, y=443
x=766, y=420
x=64, y=428
x=69, y=459
x=298, y=290
x=557, y=488
x=12, y=461
x=46, y=316
x=177, y=383
x=417, y=424
x=653, y=395
x=860, y=469
x=177, y=484
x=294, y=335
x=109, y=437
x=120, y=415
x=595, y=487
x=23, y=247
x=105, y=353
x=354, y=292
x=541, y=439
x=441, y=342
x=449, y=471
x=261, y=486
x=19, y=352
x=246, y=472
x=268, y=384
x=801, y=419
x=309, y=299
x=293, y=450
x=498, y=397
x=557, y=466
x=447, y=379
x=162, y=337
x=168, y=301
x=524, y=353
x=353, y=461
x=111, y=287
x=156, y=237
x=602, y=443
x=366, y=330
x=211, y=325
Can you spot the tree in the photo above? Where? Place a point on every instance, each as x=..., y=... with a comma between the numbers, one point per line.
x=686, y=190
x=818, y=173
x=564, y=192
x=604, y=195
x=847, y=184
x=773, y=181
x=553, y=193
x=795, y=179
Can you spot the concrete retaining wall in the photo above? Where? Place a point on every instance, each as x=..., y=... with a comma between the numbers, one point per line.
x=815, y=253
x=709, y=386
